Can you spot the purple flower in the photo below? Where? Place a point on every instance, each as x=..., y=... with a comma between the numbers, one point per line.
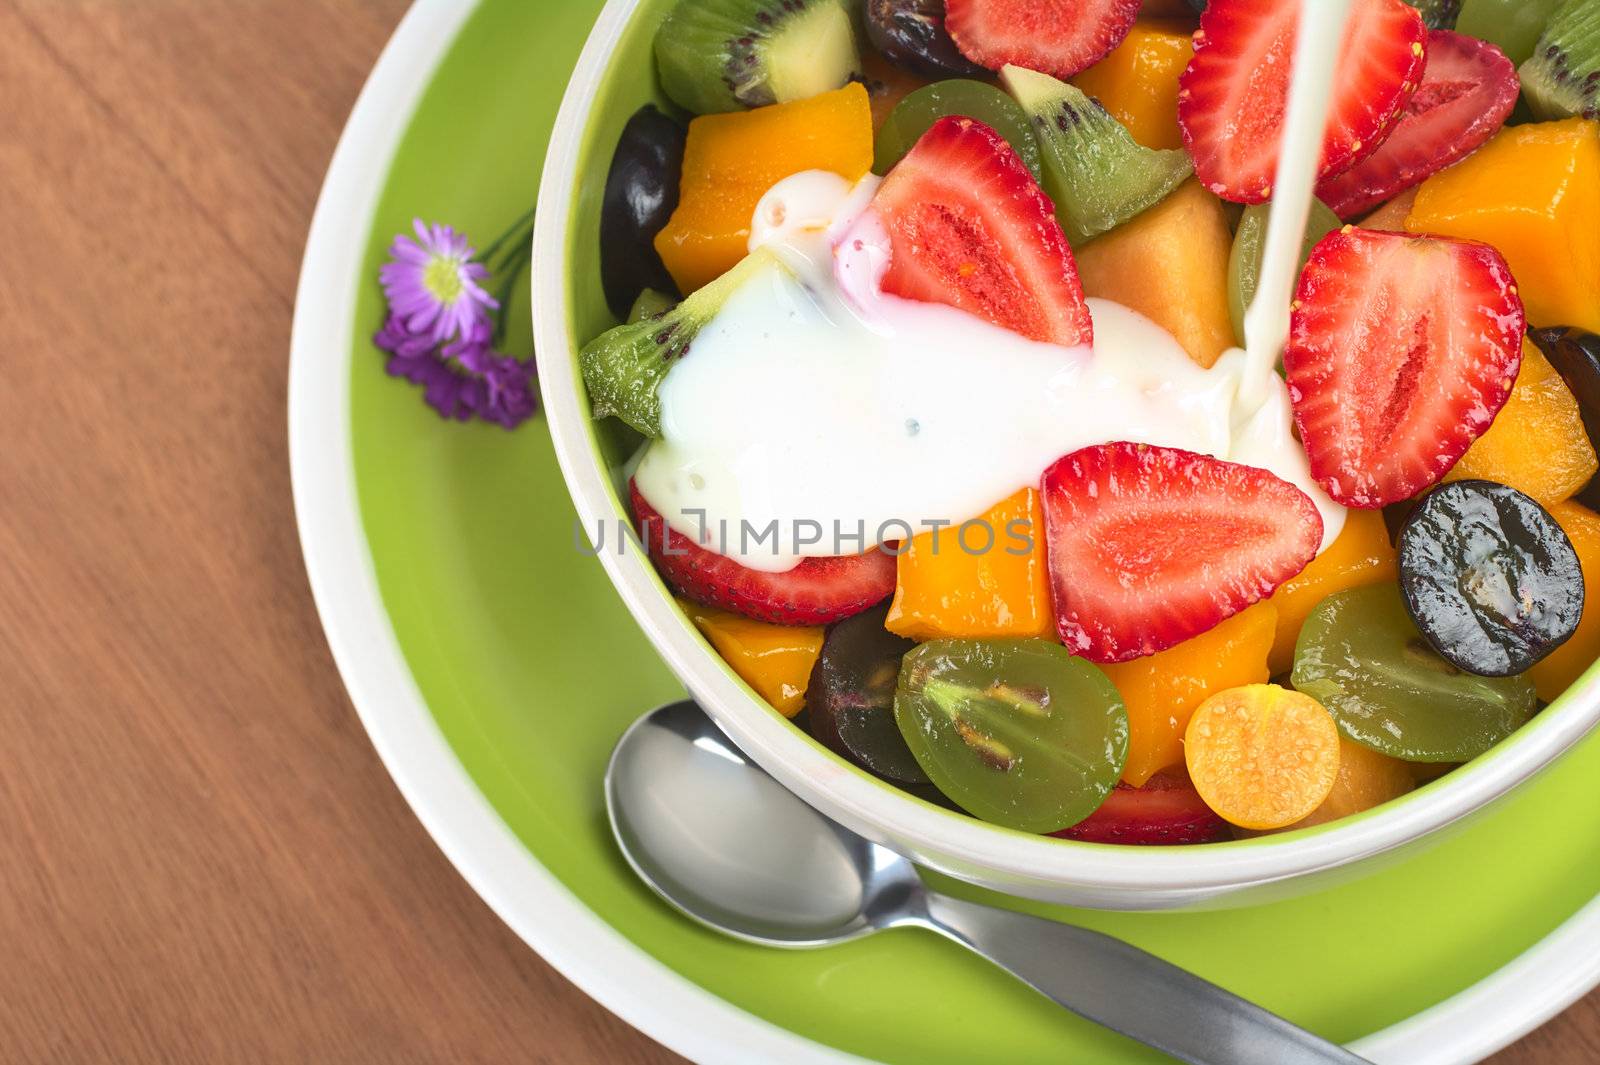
x=507, y=397
x=440, y=332
x=433, y=285
x=463, y=379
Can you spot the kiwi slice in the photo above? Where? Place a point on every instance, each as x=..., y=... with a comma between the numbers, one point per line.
x=1510, y=25
x=1562, y=78
x=1249, y=248
x=1097, y=174
x=726, y=55
x=623, y=367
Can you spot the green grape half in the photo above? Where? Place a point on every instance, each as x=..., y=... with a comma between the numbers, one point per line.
x=912, y=117
x=1017, y=732
x=1361, y=656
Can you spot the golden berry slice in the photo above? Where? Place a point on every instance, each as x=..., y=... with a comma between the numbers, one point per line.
x=1262, y=756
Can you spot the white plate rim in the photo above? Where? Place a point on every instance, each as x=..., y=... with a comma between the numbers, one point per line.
x=541, y=910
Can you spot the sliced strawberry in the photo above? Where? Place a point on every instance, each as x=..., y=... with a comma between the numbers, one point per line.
x=1402, y=349
x=1467, y=90
x=1232, y=95
x=1148, y=546
x=969, y=227
x=1057, y=37
x=1167, y=810
x=816, y=592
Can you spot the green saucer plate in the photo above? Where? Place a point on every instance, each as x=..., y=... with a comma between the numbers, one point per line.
x=494, y=666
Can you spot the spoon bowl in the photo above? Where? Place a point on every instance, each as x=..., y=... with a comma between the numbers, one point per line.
x=729, y=846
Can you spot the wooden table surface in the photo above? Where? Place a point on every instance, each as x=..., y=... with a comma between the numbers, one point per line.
x=201, y=858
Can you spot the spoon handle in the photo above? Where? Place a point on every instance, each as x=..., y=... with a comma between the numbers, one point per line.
x=1130, y=991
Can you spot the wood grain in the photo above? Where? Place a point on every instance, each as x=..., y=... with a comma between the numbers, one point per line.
x=201, y=858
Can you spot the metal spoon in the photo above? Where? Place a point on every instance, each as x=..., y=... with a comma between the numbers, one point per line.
x=727, y=845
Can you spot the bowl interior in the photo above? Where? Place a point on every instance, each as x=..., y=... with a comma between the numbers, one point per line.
x=627, y=83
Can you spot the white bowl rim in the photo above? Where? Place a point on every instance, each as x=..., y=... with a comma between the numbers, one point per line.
x=541, y=910
x=859, y=801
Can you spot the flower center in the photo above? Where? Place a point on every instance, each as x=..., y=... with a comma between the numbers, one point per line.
x=442, y=278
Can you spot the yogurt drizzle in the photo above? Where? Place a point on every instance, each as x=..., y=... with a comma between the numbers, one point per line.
x=815, y=409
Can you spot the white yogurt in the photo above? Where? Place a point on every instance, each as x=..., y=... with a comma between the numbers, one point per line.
x=813, y=402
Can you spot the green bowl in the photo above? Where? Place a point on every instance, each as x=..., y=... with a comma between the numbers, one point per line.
x=614, y=77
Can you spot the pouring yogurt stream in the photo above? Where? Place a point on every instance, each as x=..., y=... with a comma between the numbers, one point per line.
x=816, y=405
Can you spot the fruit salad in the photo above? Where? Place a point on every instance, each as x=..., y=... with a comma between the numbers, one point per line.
x=1000, y=424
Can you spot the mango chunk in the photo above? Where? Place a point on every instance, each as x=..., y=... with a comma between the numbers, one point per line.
x=1138, y=81
x=731, y=160
x=1360, y=555
x=988, y=581
x=1533, y=192
x=1537, y=444
x=1170, y=264
x=1162, y=690
x=1567, y=663
x=775, y=660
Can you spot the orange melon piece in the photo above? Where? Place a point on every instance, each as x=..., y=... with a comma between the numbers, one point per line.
x=1138, y=81
x=1366, y=779
x=1162, y=690
x=1537, y=443
x=731, y=160
x=1556, y=672
x=1533, y=192
x=1392, y=215
x=1170, y=264
x=775, y=660
x=983, y=580
x=1360, y=555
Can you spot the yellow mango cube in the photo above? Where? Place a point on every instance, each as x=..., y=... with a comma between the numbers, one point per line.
x=1138, y=81
x=775, y=660
x=1533, y=192
x=987, y=581
x=731, y=160
x=1537, y=444
x=1162, y=690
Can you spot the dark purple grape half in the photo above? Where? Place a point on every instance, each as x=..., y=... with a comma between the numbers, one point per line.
x=1489, y=577
x=641, y=194
x=850, y=700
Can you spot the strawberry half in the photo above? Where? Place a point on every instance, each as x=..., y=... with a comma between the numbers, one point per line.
x=1056, y=37
x=1467, y=90
x=1167, y=810
x=1148, y=546
x=969, y=227
x=816, y=592
x=1233, y=93
x=1402, y=349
